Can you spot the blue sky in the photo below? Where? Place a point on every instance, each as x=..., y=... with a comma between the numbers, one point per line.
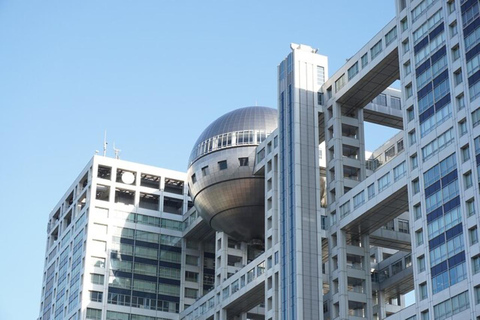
x=154, y=74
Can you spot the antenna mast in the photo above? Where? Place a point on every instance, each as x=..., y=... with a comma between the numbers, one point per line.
x=105, y=143
x=117, y=151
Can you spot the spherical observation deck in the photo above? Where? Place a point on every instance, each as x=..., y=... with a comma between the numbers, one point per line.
x=220, y=174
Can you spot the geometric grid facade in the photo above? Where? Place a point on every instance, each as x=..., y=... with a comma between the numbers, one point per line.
x=346, y=235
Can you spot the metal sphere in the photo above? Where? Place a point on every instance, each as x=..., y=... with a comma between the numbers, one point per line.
x=220, y=175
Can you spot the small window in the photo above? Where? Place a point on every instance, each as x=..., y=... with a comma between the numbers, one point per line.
x=421, y=263
x=419, y=237
x=96, y=296
x=453, y=28
x=470, y=207
x=405, y=46
x=364, y=59
x=408, y=91
x=417, y=210
x=194, y=178
x=94, y=314
x=243, y=162
x=404, y=21
x=371, y=191
x=222, y=165
x=472, y=233
x=416, y=186
x=410, y=114
x=104, y=172
x=455, y=53
x=467, y=180
x=462, y=127
x=205, y=171
x=465, y=153
x=97, y=278
x=414, y=161
x=457, y=76
x=423, y=291
x=407, y=68
x=460, y=101
x=412, y=137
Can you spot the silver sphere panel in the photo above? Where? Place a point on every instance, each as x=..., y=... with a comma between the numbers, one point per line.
x=232, y=199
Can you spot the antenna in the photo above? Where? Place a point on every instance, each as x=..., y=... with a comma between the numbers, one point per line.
x=117, y=151
x=105, y=143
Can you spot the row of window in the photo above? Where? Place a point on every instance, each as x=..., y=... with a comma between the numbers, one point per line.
x=222, y=165
x=375, y=50
x=225, y=140
x=146, y=179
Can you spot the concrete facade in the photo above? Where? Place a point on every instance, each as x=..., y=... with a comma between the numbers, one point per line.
x=348, y=234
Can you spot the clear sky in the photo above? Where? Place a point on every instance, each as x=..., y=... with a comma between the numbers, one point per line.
x=154, y=74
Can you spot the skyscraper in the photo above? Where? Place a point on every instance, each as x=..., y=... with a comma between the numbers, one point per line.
x=347, y=234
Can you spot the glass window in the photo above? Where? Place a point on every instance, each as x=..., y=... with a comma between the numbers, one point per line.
x=191, y=260
x=460, y=101
x=205, y=171
x=476, y=264
x=457, y=76
x=222, y=165
x=320, y=75
x=414, y=161
x=417, y=211
x=364, y=60
x=191, y=293
x=98, y=262
x=399, y=171
x=476, y=117
x=94, y=314
x=410, y=114
x=340, y=83
x=470, y=207
x=383, y=182
x=462, y=127
x=97, y=278
x=467, y=179
x=423, y=291
x=425, y=315
x=376, y=49
x=421, y=263
x=404, y=21
x=408, y=91
x=412, y=137
x=455, y=53
x=407, y=68
x=243, y=162
x=371, y=191
x=389, y=153
x=358, y=200
x=419, y=237
x=405, y=46
x=390, y=36
x=472, y=233
x=416, y=186
x=352, y=71
x=96, y=296
x=465, y=153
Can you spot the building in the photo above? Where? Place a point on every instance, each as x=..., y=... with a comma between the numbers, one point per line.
x=346, y=236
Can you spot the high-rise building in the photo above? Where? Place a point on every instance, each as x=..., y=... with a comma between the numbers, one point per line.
x=293, y=218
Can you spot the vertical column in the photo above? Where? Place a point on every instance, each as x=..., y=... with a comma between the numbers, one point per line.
x=221, y=257
x=342, y=280
x=299, y=184
x=346, y=149
x=367, y=284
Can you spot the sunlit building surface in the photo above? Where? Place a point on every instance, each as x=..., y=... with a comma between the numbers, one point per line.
x=347, y=233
